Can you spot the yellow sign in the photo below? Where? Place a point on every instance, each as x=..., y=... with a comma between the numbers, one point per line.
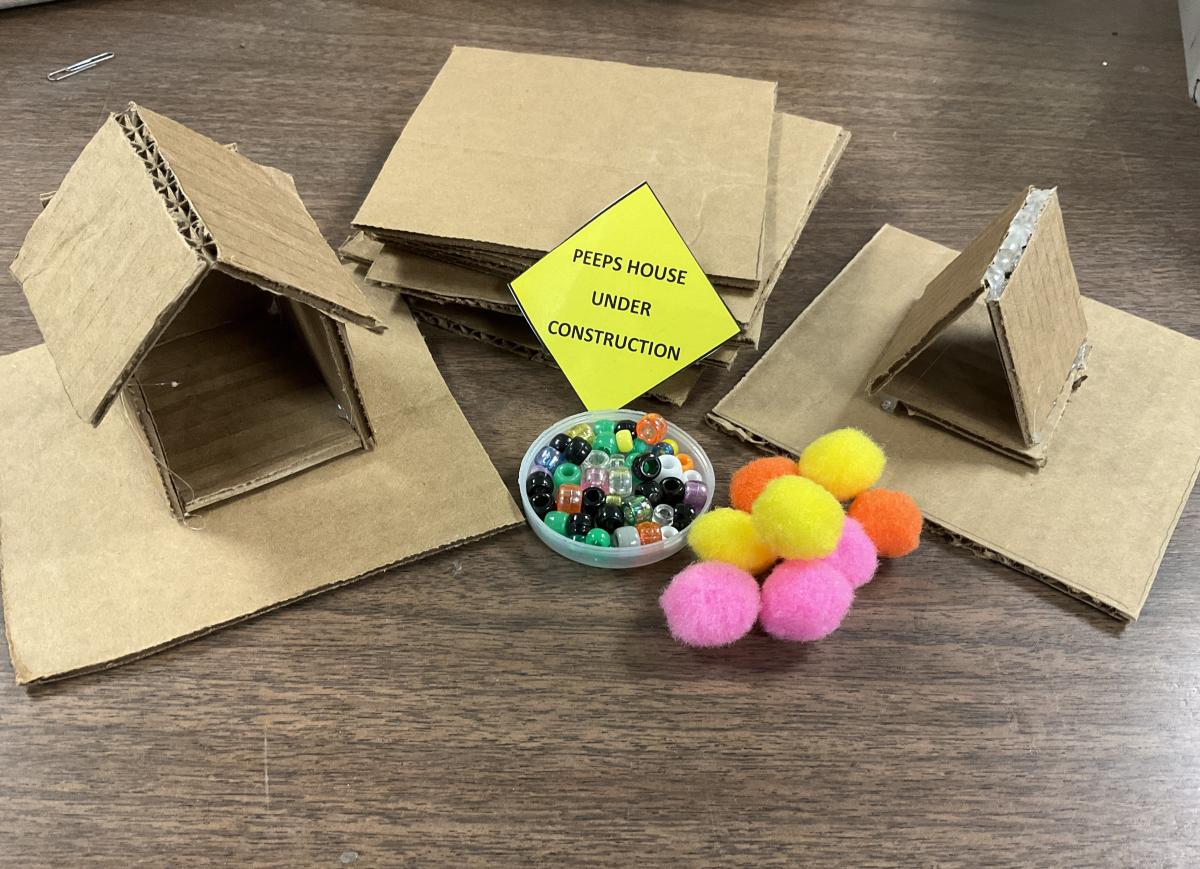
x=622, y=304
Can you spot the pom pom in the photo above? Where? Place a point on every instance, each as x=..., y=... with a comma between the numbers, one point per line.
x=796, y=518
x=804, y=601
x=710, y=604
x=846, y=462
x=749, y=480
x=728, y=535
x=855, y=557
x=891, y=519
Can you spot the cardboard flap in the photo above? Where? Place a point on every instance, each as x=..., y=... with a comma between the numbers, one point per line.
x=946, y=297
x=104, y=267
x=261, y=229
x=1039, y=323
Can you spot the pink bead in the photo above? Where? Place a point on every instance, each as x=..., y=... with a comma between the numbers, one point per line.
x=710, y=604
x=855, y=557
x=804, y=600
x=594, y=476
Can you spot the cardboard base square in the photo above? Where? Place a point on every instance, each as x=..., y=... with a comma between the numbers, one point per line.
x=1094, y=522
x=96, y=571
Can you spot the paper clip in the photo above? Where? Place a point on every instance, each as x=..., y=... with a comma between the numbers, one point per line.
x=79, y=66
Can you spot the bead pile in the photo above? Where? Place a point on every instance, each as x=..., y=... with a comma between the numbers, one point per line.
x=615, y=483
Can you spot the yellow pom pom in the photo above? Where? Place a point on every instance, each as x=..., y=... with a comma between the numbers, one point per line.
x=797, y=518
x=728, y=535
x=846, y=462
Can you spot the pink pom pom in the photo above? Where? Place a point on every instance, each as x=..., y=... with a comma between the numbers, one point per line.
x=804, y=600
x=710, y=604
x=855, y=557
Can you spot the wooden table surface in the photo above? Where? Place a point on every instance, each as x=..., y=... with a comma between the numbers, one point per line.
x=496, y=705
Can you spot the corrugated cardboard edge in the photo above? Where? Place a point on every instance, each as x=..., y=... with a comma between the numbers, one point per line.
x=20, y=671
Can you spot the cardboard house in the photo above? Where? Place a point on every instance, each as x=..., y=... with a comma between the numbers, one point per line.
x=187, y=287
x=994, y=353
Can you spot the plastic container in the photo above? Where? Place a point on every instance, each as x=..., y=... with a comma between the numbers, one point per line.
x=617, y=558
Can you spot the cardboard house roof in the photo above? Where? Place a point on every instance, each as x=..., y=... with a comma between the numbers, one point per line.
x=997, y=368
x=146, y=211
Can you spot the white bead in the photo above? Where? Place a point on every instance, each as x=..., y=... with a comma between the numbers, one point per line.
x=670, y=467
x=693, y=474
x=668, y=531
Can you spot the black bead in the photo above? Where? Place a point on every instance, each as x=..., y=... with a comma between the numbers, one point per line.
x=627, y=425
x=560, y=442
x=593, y=499
x=577, y=450
x=672, y=490
x=651, y=490
x=683, y=516
x=539, y=482
x=662, y=450
x=610, y=517
x=542, y=503
x=646, y=467
x=580, y=523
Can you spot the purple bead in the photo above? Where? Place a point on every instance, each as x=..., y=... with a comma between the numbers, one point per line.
x=695, y=494
x=549, y=458
x=594, y=476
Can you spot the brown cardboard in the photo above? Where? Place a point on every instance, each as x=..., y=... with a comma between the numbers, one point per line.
x=803, y=156
x=513, y=335
x=96, y=573
x=204, y=296
x=1094, y=522
x=513, y=152
x=996, y=368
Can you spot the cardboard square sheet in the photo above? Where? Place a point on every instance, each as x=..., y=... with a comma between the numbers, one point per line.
x=515, y=151
x=1094, y=522
x=96, y=570
x=513, y=335
x=804, y=154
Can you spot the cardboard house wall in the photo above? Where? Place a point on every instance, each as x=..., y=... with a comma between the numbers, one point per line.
x=181, y=281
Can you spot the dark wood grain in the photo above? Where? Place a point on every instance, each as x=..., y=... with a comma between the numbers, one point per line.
x=496, y=705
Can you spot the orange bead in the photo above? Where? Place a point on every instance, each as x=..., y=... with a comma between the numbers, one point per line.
x=891, y=519
x=749, y=480
x=569, y=498
x=649, y=532
x=685, y=462
x=652, y=428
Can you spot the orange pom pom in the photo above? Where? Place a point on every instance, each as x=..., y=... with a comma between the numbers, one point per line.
x=891, y=519
x=749, y=480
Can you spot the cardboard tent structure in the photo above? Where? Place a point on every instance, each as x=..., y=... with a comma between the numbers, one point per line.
x=997, y=366
x=189, y=284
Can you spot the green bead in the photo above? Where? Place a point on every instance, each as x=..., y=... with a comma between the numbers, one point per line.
x=566, y=472
x=598, y=537
x=637, y=509
x=556, y=521
x=603, y=427
x=604, y=443
x=579, y=538
x=640, y=446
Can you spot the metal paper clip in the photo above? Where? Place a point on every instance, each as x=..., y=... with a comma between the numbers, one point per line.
x=79, y=66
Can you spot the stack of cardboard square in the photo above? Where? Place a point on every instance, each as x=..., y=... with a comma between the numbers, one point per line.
x=508, y=154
